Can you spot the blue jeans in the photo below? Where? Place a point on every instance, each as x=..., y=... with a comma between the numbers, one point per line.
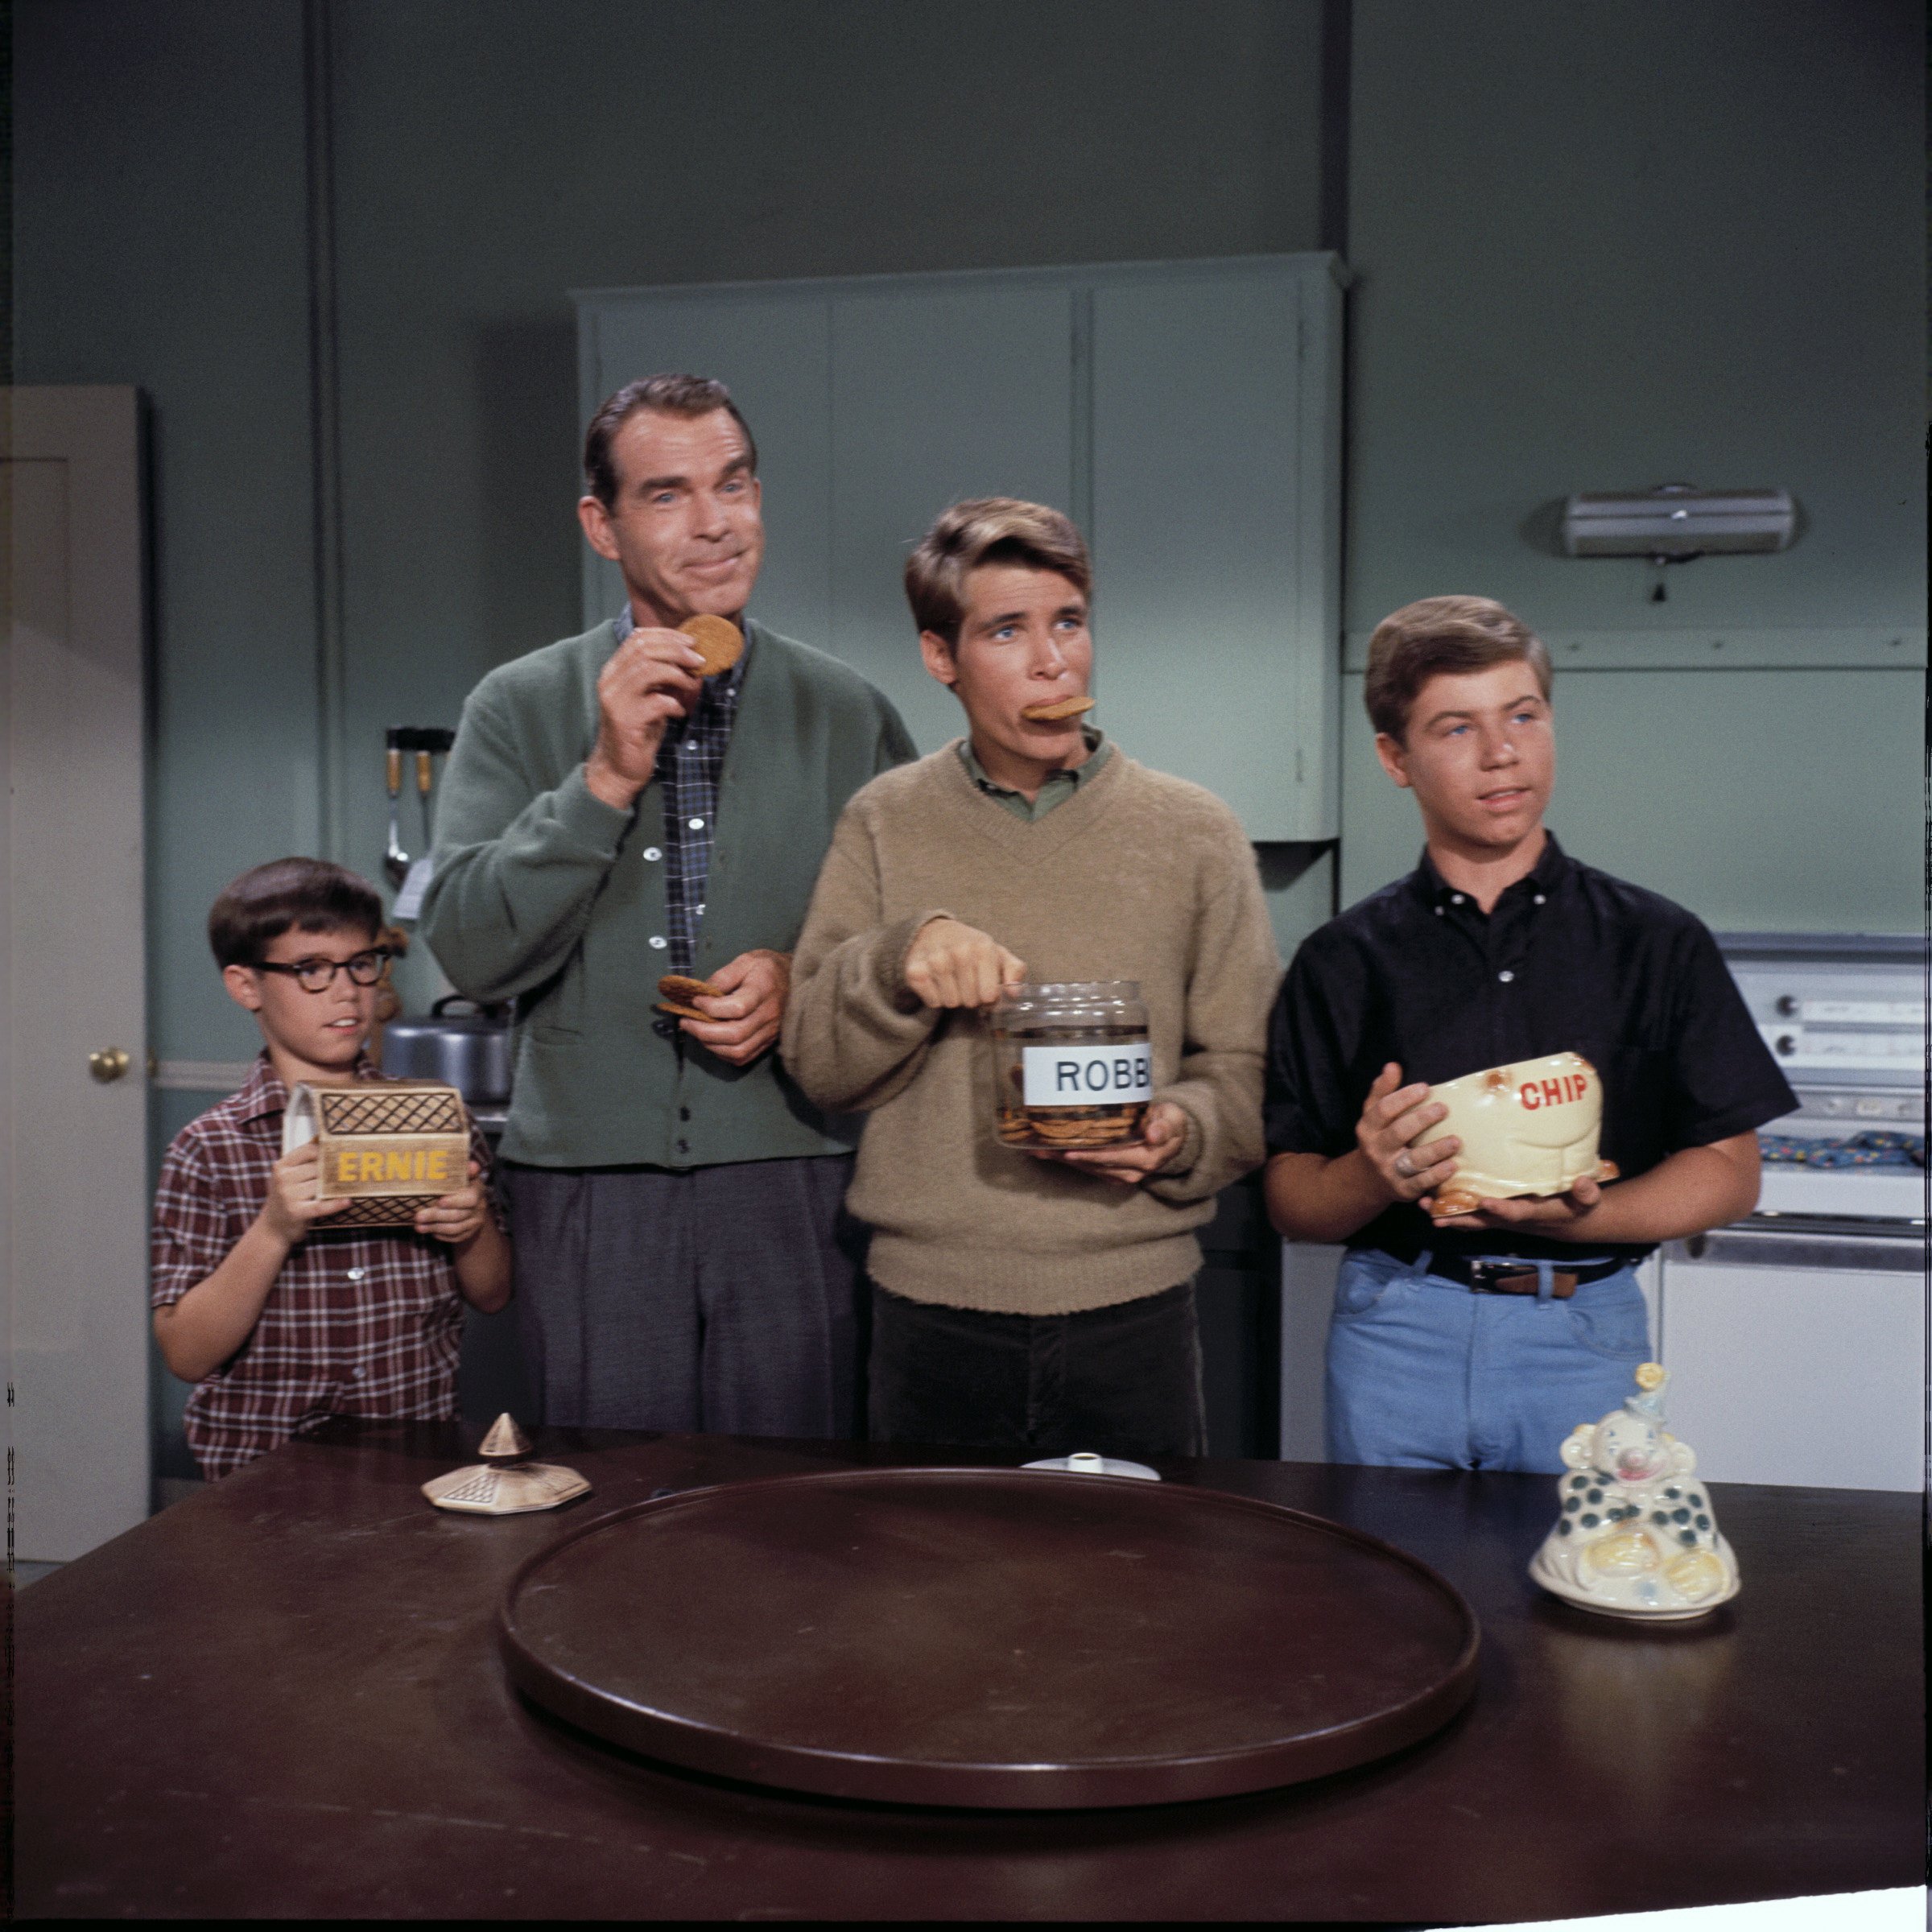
x=1425, y=1374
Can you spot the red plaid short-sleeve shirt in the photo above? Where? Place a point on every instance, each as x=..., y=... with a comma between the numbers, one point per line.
x=360, y=1321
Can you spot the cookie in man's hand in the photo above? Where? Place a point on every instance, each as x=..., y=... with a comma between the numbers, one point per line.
x=720, y=643
x=676, y=991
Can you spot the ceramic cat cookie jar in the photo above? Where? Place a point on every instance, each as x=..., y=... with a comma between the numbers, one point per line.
x=1635, y=1536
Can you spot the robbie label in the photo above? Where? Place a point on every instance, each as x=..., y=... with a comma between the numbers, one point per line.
x=1088, y=1077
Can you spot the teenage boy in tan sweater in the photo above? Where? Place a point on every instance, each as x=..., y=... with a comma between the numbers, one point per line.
x=1027, y=1301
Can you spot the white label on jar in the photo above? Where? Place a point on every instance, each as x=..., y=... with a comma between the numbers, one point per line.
x=1089, y=1076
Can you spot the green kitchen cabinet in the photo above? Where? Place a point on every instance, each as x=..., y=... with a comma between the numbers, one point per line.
x=1186, y=415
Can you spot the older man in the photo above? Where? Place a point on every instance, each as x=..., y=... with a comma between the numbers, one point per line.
x=612, y=814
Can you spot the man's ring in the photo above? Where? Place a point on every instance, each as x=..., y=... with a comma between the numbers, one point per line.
x=1404, y=1165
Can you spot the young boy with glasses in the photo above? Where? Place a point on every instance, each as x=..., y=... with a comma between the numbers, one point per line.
x=279, y=1320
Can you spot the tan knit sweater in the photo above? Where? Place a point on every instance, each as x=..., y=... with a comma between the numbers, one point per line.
x=1137, y=875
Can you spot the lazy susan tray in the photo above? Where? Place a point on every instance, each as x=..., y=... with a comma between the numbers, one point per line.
x=989, y=1637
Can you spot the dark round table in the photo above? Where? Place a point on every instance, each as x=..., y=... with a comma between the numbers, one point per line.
x=989, y=1637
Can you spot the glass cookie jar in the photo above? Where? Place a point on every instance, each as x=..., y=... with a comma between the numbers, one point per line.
x=1071, y=1065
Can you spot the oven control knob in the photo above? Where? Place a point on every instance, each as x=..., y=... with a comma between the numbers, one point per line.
x=1786, y=1043
x=1787, y=1005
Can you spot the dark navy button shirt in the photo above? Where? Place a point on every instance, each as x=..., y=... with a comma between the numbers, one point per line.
x=1570, y=960
x=691, y=763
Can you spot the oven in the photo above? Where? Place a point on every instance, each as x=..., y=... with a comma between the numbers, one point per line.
x=1796, y=1338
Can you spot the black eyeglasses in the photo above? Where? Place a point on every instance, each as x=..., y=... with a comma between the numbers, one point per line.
x=319, y=975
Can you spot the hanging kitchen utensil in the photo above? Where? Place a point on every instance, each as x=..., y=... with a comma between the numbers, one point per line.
x=395, y=860
x=425, y=741
x=424, y=779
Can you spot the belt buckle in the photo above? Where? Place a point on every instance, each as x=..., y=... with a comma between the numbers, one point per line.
x=1484, y=1274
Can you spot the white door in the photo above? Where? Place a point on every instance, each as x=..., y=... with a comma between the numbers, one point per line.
x=73, y=1156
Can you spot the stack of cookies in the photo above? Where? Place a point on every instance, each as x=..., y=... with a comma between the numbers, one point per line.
x=677, y=990
x=1062, y=1128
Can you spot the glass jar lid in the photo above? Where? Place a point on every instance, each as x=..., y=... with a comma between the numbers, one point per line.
x=1073, y=992
x=1071, y=1001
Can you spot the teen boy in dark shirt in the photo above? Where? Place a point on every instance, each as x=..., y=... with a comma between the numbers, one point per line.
x=1479, y=1340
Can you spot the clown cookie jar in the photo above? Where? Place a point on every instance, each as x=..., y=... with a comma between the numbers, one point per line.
x=1636, y=1536
x=1530, y=1129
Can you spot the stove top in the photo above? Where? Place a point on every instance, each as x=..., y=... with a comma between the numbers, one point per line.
x=1845, y=1015
x=1865, y=1194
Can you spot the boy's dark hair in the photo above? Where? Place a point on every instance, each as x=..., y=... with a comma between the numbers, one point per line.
x=310, y=894
x=988, y=530
x=672, y=395
x=1443, y=634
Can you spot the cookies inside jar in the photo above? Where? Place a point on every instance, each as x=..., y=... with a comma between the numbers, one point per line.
x=1072, y=1065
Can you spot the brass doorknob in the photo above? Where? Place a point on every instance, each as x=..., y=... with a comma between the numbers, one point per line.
x=109, y=1063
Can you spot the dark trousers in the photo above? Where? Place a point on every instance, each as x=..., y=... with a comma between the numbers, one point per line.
x=721, y=1300
x=1122, y=1381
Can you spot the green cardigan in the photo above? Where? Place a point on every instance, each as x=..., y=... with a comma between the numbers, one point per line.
x=543, y=894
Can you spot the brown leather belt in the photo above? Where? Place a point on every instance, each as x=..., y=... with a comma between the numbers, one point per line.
x=1485, y=1277
x=1511, y=1275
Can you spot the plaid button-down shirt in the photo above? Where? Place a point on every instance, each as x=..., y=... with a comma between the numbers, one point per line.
x=691, y=759
x=360, y=1321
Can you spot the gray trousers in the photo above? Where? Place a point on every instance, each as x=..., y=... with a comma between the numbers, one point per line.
x=721, y=1300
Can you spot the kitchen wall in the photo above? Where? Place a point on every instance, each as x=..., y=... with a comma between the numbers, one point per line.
x=1604, y=247
x=333, y=245
x=161, y=240
x=1596, y=248
x=485, y=157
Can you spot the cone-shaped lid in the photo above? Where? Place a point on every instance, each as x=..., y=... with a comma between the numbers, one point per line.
x=505, y=1439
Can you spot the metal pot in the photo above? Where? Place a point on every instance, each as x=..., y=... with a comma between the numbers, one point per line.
x=469, y=1050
